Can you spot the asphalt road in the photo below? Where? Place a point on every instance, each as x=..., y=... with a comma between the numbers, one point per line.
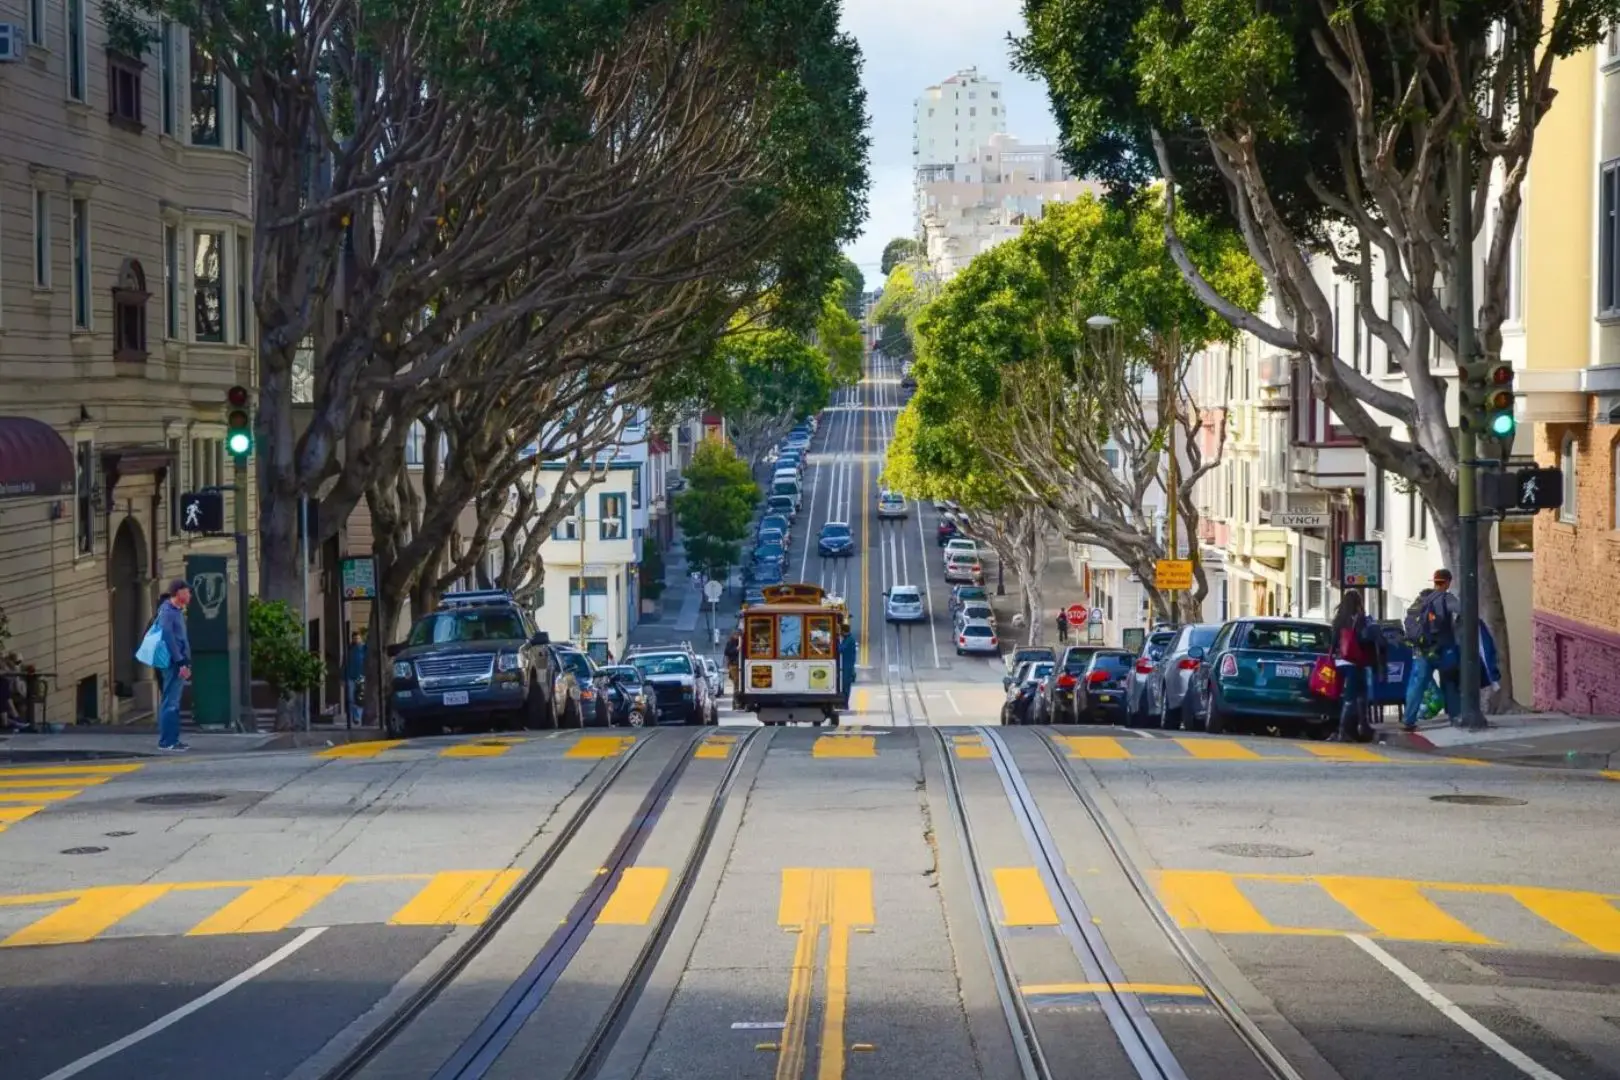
x=918, y=894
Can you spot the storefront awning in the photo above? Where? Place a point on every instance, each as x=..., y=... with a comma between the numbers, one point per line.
x=35, y=462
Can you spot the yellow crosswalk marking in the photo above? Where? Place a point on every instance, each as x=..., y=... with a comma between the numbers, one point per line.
x=1588, y=917
x=10, y=815
x=600, y=746
x=369, y=749
x=635, y=897
x=844, y=746
x=269, y=905
x=1210, y=900
x=38, y=796
x=971, y=751
x=1218, y=750
x=475, y=750
x=1094, y=747
x=1398, y=910
x=67, y=770
x=80, y=782
x=94, y=912
x=457, y=898
x=1343, y=752
x=711, y=751
x=1024, y=900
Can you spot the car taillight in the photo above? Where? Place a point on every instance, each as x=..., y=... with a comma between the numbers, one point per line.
x=1066, y=680
x=1228, y=666
x=1144, y=667
x=992, y=639
x=962, y=640
x=1188, y=664
x=1097, y=677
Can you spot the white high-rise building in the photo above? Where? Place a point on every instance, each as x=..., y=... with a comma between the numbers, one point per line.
x=955, y=118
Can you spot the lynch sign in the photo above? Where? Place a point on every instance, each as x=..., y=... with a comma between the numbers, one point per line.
x=1299, y=519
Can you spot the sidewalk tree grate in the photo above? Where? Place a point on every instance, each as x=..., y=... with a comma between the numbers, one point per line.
x=1262, y=851
x=181, y=798
x=1479, y=800
x=83, y=850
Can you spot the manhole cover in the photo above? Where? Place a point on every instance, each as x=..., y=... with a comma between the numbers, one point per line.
x=83, y=850
x=116, y=834
x=1262, y=851
x=1478, y=800
x=181, y=798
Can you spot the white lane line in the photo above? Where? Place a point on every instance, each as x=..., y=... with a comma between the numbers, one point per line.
x=170, y=1019
x=927, y=586
x=952, y=699
x=1453, y=1012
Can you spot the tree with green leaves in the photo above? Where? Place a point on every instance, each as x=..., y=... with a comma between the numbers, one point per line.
x=1081, y=420
x=838, y=337
x=906, y=291
x=461, y=208
x=902, y=249
x=716, y=508
x=772, y=379
x=850, y=288
x=1330, y=131
x=279, y=652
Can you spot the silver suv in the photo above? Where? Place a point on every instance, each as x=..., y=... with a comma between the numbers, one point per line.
x=904, y=603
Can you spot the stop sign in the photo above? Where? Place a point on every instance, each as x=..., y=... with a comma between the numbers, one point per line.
x=1076, y=614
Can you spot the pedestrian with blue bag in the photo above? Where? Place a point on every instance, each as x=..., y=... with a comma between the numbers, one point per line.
x=166, y=649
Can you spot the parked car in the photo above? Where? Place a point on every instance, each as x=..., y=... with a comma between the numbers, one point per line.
x=963, y=544
x=765, y=573
x=835, y=540
x=945, y=531
x=716, y=677
x=785, y=505
x=584, y=703
x=1136, y=699
x=904, y=603
x=978, y=638
x=891, y=504
x=770, y=536
x=753, y=595
x=679, y=682
x=964, y=594
x=477, y=661
x=1057, y=700
x=1099, y=693
x=976, y=611
x=1168, y=699
x=962, y=567
x=780, y=523
x=629, y=697
x=1025, y=654
x=1023, y=687
x=1257, y=671
x=770, y=553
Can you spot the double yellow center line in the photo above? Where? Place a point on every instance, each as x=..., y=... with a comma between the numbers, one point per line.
x=812, y=900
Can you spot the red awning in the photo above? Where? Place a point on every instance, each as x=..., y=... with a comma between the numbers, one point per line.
x=35, y=462
x=658, y=445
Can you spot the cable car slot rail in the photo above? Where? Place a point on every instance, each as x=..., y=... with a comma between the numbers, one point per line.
x=474, y=1057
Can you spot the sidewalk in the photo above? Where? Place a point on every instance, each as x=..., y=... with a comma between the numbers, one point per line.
x=92, y=742
x=683, y=614
x=1059, y=589
x=1543, y=740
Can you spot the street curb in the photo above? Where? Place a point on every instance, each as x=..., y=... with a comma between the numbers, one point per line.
x=1408, y=740
x=298, y=740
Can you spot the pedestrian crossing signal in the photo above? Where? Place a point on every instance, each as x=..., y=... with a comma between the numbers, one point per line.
x=1524, y=491
x=202, y=512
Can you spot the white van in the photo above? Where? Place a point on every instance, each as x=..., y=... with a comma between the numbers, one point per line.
x=786, y=485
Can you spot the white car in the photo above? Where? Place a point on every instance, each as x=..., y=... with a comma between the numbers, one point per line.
x=904, y=603
x=963, y=545
x=891, y=505
x=977, y=637
x=962, y=568
x=976, y=611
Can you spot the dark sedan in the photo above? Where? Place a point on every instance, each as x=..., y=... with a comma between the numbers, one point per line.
x=1099, y=694
x=835, y=540
x=1022, y=689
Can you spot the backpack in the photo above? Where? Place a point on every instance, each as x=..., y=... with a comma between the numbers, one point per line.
x=1436, y=632
x=1412, y=624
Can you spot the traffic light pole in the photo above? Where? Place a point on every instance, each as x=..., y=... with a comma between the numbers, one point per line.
x=1462, y=282
x=245, y=720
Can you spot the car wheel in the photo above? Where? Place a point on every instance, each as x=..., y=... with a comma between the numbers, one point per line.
x=1186, y=714
x=394, y=725
x=1216, y=720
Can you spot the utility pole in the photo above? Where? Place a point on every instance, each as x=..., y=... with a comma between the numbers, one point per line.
x=1468, y=364
x=1166, y=392
x=239, y=443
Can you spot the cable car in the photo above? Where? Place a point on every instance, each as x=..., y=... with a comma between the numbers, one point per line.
x=790, y=668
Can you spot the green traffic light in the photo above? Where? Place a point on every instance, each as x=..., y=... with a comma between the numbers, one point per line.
x=1502, y=425
x=239, y=443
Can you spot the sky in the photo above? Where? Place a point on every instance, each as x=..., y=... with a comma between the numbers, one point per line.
x=911, y=44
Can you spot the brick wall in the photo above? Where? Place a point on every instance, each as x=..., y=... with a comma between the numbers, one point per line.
x=1577, y=579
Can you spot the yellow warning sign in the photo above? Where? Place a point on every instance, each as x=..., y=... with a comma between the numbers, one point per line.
x=821, y=679
x=1173, y=574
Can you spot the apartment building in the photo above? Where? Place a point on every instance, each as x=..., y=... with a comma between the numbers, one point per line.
x=125, y=241
x=954, y=118
x=592, y=594
x=1574, y=298
x=968, y=207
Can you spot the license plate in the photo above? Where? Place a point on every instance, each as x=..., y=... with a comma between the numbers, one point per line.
x=1290, y=671
x=1106, y=699
x=455, y=697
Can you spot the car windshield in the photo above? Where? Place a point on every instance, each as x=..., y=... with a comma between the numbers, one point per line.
x=1288, y=637
x=775, y=521
x=1074, y=660
x=1038, y=670
x=976, y=609
x=1158, y=644
x=624, y=673
x=1115, y=663
x=780, y=502
x=770, y=536
x=448, y=627
x=1200, y=636
x=833, y=528
x=663, y=664
x=577, y=663
x=768, y=551
x=890, y=498
x=973, y=593
x=977, y=630
x=905, y=595
x=961, y=557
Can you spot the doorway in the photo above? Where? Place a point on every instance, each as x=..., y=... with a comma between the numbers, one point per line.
x=126, y=588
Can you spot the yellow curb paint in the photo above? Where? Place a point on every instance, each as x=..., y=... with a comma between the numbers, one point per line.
x=10, y=815
x=80, y=782
x=457, y=898
x=635, y=897
x=1023, y=895
x=1591, y=918
x=1343, y=752
x=712, y=751
x=844, y=746
x=600, y=746
x=1217, y=750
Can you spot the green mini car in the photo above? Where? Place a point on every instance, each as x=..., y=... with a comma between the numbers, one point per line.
x=1256, y=674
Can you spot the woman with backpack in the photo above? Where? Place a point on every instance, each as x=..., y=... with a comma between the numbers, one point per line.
x=1355, y=649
